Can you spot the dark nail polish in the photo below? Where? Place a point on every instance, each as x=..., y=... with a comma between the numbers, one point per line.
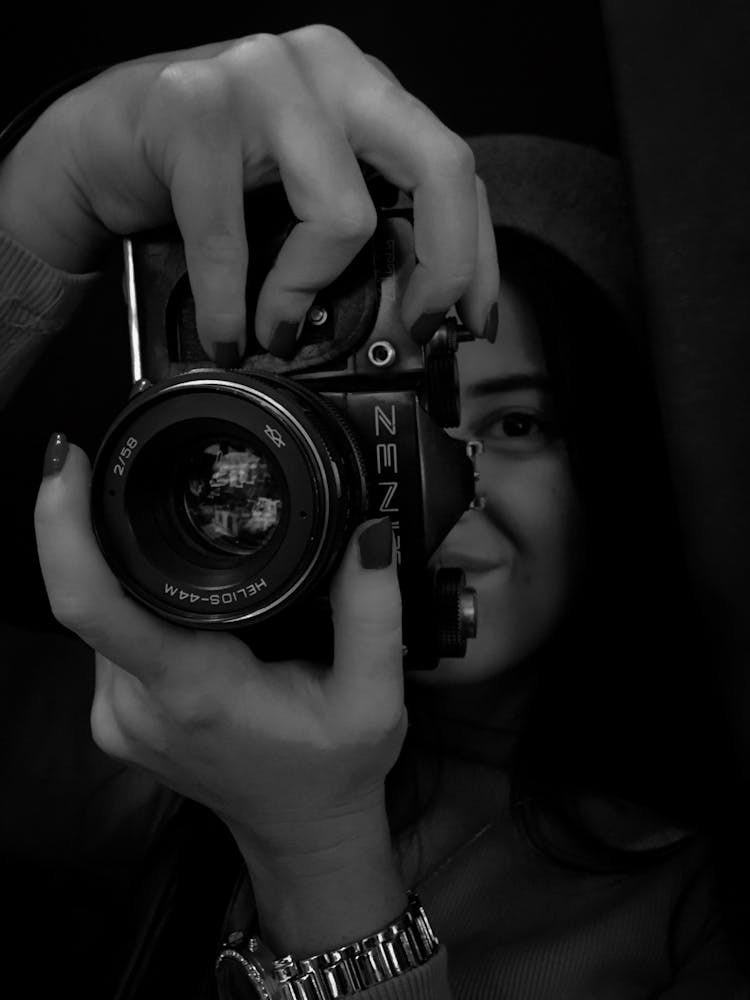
x=376, y=545
x=227, y=354
x=426, y=325
x=55, y=455
x=490, y=326
x=284, y=340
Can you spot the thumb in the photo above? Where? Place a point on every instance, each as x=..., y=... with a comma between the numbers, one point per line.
x=366, y=610
x=84, y=594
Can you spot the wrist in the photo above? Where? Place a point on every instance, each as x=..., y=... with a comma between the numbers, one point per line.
x=301, y=840
x=246, y=967
x=315, y=899
x=310, y=916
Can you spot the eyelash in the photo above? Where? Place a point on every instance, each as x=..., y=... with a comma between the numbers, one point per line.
x=543, y=425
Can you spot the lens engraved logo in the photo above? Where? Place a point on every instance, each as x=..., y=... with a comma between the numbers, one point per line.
x=274, y=436
x=227, y=597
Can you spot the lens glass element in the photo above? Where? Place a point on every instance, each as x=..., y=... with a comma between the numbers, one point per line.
x=230, y=495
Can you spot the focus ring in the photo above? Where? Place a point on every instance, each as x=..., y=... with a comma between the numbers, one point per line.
x=323, y=414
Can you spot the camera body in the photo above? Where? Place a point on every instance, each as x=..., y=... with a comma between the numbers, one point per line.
x=224, y=499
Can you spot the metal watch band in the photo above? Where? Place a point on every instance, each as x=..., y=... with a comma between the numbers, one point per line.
x=400, y=947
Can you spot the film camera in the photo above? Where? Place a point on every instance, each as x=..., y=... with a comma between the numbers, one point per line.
x=224, y=499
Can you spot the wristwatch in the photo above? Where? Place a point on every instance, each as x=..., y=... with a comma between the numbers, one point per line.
x=246, y=969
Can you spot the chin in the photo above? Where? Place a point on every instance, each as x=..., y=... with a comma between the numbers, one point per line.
x=507, y=638
x=487, y=656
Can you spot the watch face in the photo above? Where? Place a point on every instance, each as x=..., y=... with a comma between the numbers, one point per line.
x=239, y=977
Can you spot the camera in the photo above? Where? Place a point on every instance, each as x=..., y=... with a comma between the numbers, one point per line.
x=223, y=499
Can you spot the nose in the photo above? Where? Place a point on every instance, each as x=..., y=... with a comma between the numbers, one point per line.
x=461, y=538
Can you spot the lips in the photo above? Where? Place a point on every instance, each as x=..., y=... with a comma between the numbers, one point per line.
x=470, y=564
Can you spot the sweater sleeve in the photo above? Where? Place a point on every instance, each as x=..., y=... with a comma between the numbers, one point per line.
x=428, y=982
x=37, y=301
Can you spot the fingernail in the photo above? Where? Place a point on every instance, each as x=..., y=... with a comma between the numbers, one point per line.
x=227, y=354
x=426, y=325
x=283, y=341
x=55, y=455
x=490, y=326
x=376, y=545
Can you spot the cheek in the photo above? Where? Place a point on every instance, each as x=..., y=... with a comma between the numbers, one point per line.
x=535, y=503
x=532, y=516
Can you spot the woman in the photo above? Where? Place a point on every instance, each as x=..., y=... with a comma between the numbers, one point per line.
x=198, y=711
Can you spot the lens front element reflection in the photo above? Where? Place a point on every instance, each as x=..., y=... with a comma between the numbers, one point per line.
x=231, y=497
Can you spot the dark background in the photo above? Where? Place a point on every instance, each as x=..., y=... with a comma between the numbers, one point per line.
x=527, y=65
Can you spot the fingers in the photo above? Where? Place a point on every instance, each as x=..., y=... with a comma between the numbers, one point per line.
x=455, y=260
x=478, y=304
x=223, y=124
x=207, y=198
x=323, y=183
x=392, y=130
x=199, y=152
x=445, y=243
x=367, y=617
x=84, y=594
x=382, y=68
x=310, y=103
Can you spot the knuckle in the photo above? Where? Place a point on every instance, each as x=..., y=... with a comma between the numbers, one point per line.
x=453, y=157
x=387, y=90
x=390, y=91
x=381, y=67
x=256, y=50
x=320, y=36
x=192, y=89
x=223, y=243
x=455, y=284
x=354, y=220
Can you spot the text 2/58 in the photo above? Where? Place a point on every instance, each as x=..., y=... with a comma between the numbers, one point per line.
x=125, y=452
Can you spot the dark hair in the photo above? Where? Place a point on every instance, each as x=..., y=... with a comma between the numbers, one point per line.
x=624, y=708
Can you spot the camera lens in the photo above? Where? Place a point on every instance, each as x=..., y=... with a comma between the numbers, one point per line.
x=230, y=496
x=224, y=500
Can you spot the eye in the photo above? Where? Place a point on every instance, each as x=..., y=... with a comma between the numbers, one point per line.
x=519, y=424
x=516, y=430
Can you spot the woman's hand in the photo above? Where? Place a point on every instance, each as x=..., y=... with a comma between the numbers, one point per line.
x=180, y=136
x=290, y=754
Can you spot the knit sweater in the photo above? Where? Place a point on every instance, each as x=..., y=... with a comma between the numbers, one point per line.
x=512, y=923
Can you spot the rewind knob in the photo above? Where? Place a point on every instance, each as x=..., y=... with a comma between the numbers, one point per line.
x=455, y=609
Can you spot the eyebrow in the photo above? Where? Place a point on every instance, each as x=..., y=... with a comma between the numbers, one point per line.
x=509, y=383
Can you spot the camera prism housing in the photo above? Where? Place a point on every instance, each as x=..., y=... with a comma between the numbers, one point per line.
x=223, y=499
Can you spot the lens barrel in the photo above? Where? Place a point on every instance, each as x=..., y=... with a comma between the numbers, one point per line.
x=221, y=499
